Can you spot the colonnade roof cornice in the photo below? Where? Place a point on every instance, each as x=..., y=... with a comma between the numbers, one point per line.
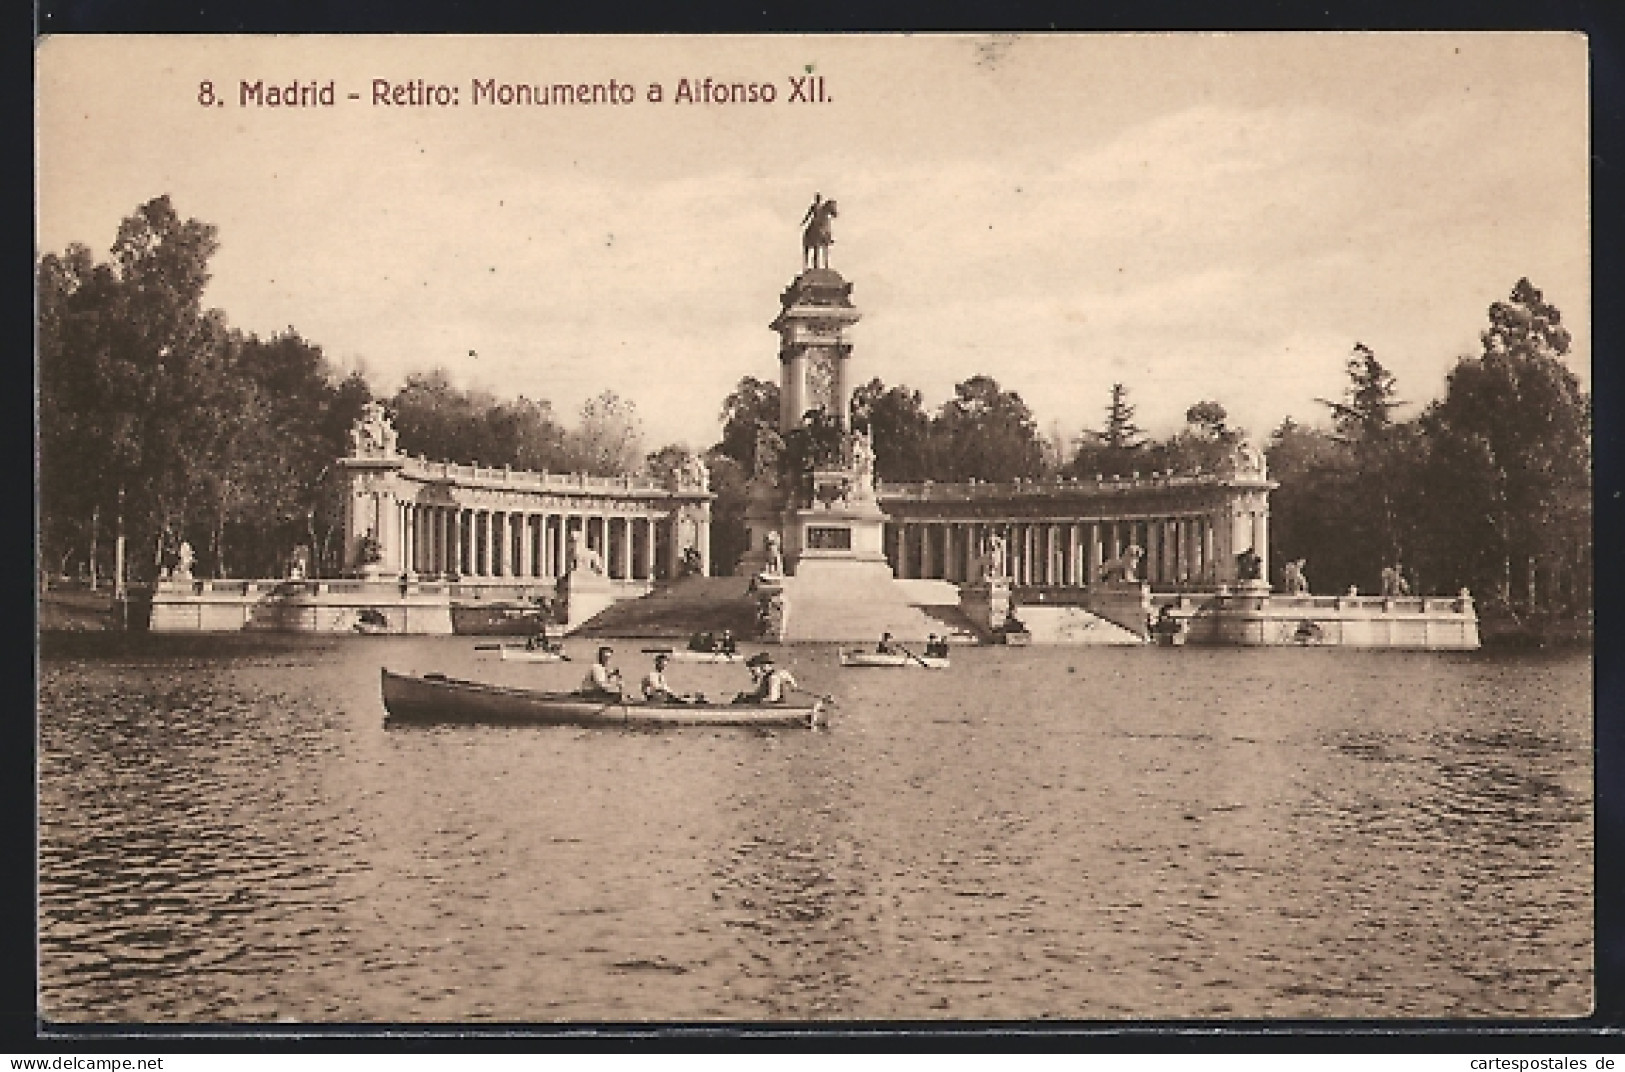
x=930, y=491
x=490, y=480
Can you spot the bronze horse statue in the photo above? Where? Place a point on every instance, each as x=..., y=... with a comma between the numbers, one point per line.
x=818, y=237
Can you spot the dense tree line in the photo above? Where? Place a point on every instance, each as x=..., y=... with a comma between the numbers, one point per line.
x=1487, y=488
x=161, y=423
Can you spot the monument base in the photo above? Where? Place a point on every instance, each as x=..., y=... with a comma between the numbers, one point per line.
x=986, y=603
x=584, y=596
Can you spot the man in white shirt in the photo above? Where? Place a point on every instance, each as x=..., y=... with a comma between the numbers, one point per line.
x=602, y=679
x=655, y=688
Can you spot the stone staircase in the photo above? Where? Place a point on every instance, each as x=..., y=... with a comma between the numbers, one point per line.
x=1073, y=625
x=830, y=608
x=679, y=610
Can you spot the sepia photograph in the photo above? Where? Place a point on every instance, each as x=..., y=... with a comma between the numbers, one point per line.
x=813, y=530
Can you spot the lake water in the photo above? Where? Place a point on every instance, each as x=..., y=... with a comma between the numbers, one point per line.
x=230, y=833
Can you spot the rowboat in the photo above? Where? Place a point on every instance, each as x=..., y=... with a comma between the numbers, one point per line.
x=518, y=653
x=892, y=658
x=438, y=698
x=687, y=655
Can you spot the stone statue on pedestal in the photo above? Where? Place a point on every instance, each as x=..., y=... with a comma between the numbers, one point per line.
x=774, y=544
x=694, y=475
x=1247, y=460
x=184, y=558
x=818, y=236
x=1125, y=567
x=372, y=435
x=583, y=559
x=769, y=445
x=863, y=464
x=992, y=565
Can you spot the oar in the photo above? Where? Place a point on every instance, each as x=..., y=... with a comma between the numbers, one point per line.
x=911, y=655
x=815, y=695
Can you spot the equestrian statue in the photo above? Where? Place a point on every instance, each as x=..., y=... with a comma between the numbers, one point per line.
x=818, y=236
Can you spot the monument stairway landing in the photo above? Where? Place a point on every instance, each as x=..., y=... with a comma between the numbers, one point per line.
x=679, y=610
x=831, y=609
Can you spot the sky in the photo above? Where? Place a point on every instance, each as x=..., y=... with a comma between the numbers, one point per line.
x=1195, y=216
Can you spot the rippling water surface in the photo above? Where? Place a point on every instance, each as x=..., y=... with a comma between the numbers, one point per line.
x=229, y=833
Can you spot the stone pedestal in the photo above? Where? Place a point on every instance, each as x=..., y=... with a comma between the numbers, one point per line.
x=583, y=595
x=772, y=608
x=1125, y=603
x=986, y=603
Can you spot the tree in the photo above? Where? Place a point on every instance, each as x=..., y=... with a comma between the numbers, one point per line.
x=1307, y=512
x=1117, y=448
x=1365, y=414
x=1209, y=419
x=135, y=388
x=987, y=433
x=158, y=415
x=1121, y=433
x=1203, y=446
x=896, y=419
x=1517, y=427
x=751, y=404
x=609, y=439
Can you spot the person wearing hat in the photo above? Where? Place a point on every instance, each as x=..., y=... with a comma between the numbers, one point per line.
x=655, y=688
x=602, y=679
x=772, y=685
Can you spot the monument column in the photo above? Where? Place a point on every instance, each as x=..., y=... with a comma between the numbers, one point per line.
x=626, y=549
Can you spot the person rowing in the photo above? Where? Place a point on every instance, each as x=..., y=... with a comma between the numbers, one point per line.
x=886, y=646
x=727, y=645
x=602, y=680
x=655, y=688
x=772, y=685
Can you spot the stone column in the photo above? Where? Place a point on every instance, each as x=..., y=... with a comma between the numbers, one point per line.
x=969, y=531
x=1207, y=549
x=648, y=548
x=702, y=527
x=1261, y=538
x=926, y=565
x=674, y=554
x=794, y=391
x=488, y=542
x=626, y=549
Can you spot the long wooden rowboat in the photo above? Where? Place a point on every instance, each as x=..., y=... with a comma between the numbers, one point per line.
x=437, y=698
x=893, y=658
x=686, y=655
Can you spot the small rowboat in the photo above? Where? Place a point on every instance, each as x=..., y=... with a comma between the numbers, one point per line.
x=686, y=655
x=518, y=653
x=437, y=698
x=893, y=658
